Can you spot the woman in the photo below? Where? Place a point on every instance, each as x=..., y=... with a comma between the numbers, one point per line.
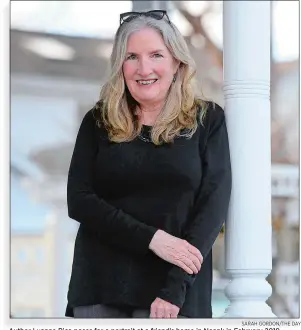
x=149, y=182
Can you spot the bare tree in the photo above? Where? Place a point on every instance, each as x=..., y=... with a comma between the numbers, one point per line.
x=197, y=23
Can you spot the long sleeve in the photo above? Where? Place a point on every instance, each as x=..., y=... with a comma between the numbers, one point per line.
x=211, y=204
x=109, y=223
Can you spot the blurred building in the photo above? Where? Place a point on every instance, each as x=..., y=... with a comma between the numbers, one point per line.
x=33, y=270
x=55, y=80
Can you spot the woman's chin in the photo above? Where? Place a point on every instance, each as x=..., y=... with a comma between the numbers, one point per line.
x=146, y=97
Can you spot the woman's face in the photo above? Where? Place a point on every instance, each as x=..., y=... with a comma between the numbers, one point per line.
x=148, y=67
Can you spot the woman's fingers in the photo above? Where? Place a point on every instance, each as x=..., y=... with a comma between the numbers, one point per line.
x=157, y=310
x=184, y=267
x=192, y=249
x=174, y=311
x=163, y=309
x=160, y=311
x=189, y=263
x=167, y=312
x=195, y=261
x=189, y=266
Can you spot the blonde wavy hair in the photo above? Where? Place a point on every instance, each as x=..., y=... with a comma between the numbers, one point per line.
x=183, y=108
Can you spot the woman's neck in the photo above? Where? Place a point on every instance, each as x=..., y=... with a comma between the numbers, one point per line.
x=148, y=114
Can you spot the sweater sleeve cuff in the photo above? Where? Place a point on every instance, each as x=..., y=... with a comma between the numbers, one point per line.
x=175, y=288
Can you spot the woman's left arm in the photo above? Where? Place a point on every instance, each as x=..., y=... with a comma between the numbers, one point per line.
x=211, y=203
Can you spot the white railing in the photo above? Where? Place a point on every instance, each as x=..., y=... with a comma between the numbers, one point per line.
x=287, y=285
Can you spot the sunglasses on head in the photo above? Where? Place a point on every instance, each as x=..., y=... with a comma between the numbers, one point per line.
x=156, y=14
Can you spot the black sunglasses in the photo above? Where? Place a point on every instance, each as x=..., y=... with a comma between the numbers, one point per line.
x=156, y=14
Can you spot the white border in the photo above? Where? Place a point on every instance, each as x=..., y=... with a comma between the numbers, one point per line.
x=4, y=155
x=299, y=170
x=225, y=324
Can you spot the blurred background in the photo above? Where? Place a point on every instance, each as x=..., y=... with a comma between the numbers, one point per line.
x=59, y=54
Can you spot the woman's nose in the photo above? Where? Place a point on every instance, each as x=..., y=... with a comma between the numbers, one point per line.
x=144, y=68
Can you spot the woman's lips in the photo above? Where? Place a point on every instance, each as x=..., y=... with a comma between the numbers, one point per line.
x=144, y=82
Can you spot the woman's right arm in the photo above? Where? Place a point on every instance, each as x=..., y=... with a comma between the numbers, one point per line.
x=108, y=222
x=84, y=206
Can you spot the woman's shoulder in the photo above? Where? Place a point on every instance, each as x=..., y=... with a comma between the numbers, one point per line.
x=97, y=110
x=209, y=112
x=94, y=115
x=210, y=106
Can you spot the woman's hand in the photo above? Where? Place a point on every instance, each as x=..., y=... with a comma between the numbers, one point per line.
x=176, y=251
x=163, y=309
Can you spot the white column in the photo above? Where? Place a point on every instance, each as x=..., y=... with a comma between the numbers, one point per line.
x=146, y=5
x=246, y=88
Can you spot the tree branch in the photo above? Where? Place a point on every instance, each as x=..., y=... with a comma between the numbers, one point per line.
x=198, y=28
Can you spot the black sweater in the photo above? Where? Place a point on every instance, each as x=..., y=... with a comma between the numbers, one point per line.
x=122, y=193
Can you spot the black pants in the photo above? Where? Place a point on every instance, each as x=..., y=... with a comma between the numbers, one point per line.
x=105, y=311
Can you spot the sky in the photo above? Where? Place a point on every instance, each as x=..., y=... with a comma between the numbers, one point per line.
x=101, y=19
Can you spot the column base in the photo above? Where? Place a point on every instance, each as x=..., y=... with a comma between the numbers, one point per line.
x=248, y=292
x=248, y=310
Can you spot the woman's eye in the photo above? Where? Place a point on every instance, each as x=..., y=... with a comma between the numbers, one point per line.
x=131, y=57
x=157, y=55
